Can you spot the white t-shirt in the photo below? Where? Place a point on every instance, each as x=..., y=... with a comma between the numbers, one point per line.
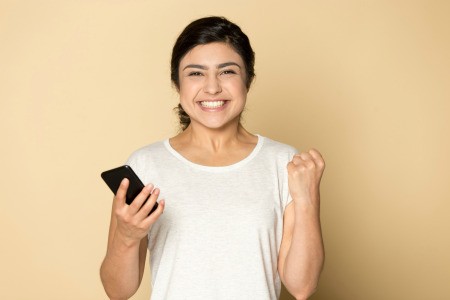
x=221, y=230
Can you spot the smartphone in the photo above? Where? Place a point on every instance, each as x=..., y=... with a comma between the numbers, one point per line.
x=114, y=177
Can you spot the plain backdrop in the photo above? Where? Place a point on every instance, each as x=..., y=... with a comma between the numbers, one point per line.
x=84, y=83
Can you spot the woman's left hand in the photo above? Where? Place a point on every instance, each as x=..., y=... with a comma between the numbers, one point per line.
x=304, y=174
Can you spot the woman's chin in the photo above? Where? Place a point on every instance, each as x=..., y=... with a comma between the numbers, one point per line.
x=217, y=124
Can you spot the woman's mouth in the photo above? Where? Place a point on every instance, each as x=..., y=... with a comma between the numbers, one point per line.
x=212, y=104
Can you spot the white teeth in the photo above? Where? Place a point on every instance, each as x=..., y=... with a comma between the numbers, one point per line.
x=212, y=104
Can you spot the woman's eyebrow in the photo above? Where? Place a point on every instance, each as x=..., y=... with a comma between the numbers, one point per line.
x=195, y=67
x=228, y=64
x=220, y=66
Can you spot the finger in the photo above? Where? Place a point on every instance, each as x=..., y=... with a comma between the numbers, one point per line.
x=291, y=166
x=147, y=207
x=306, y=156
x=315, y=153
x=301, y=158
x=305, y=160
x=140, y=198
x=156, y=214
x=296, y=159
x=121, y=193
x=317, y=157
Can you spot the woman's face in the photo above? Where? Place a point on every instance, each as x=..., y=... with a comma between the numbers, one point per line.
x=212, y=85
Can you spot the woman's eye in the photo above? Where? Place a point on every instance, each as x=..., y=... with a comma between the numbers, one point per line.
x=195, y=74
x=226, y=72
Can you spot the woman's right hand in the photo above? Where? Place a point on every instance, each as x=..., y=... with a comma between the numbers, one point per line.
x=123, y=267
x=134, y=221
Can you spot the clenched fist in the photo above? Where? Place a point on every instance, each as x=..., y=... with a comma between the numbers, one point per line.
x=304, y=174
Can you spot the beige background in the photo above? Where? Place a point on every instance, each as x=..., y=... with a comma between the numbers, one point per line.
x=84, y=83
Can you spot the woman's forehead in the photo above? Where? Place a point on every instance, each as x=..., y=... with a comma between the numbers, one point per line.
x=212, y=54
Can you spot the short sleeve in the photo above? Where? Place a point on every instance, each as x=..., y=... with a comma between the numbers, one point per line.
x=143, y=162
x=137, y=162
x=286, y=196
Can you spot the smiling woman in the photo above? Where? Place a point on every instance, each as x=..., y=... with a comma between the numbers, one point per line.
x=212, y=85
x=211, y=31
x=242, y=211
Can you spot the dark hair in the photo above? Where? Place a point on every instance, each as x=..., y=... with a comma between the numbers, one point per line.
x=204, y=31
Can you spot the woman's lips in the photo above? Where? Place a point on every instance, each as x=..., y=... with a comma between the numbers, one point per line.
x=212, y=105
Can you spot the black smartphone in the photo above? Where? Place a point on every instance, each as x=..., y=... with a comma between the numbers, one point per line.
x=114, y=177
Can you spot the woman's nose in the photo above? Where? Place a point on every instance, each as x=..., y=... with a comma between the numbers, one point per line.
x=212, y=85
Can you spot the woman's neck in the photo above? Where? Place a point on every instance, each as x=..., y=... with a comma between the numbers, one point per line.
x=215, y=139
x=214, y=147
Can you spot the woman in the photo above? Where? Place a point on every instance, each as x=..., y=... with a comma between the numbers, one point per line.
x=242, y=210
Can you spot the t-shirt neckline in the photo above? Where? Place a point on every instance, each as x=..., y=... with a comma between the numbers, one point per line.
x=216, y=168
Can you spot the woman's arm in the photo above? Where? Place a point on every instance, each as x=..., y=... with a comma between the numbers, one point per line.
x=301, y=254
x=123, y=266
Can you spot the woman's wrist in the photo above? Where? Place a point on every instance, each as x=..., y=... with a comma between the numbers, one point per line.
x=123, y=243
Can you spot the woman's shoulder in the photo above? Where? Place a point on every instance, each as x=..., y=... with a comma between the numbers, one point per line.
x=278, y=147
x=154, y=149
